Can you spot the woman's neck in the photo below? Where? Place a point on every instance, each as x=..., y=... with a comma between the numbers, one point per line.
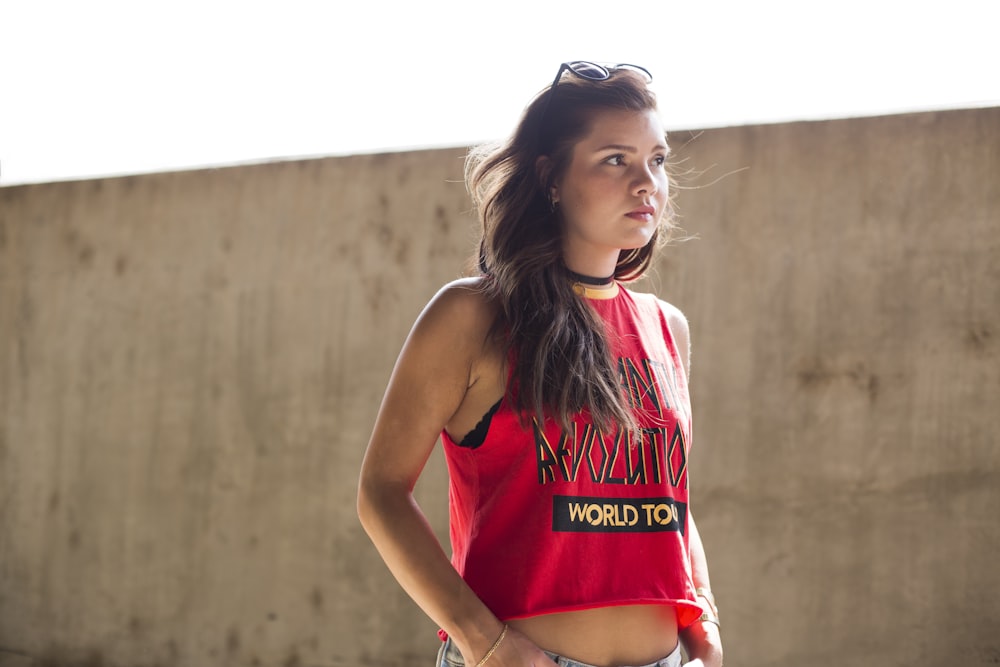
x=589, y=280
x=589, y=266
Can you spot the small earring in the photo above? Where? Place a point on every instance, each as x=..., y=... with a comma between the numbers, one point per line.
x=553, y=202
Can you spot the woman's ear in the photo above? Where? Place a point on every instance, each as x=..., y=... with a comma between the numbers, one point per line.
x=543, y=171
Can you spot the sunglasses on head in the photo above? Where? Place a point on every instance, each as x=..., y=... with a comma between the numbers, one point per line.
x=595, y=72
x=590, y=71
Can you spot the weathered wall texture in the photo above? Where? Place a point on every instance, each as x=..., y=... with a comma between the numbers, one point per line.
x=190, y=364
x=844, y=297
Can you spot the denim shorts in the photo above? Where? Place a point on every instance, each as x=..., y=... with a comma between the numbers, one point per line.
x=450, y=656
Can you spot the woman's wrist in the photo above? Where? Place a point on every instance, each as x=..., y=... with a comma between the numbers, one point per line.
x=711, y=614
x=494, y=647
x=476, y=638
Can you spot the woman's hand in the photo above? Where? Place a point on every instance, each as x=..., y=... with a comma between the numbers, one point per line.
x=703, y=645
x=516, y=650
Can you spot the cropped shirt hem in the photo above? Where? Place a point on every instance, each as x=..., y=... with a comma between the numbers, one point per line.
x=688, y=611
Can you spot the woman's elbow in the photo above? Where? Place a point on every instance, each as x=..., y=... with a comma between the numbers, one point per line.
x=366, y=505
x=375, y=501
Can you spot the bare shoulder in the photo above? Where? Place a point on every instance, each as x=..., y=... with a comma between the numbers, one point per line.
x=675, y=318
x=465, y=293
x=456, y=322
x=677, y=322
x=461, y=305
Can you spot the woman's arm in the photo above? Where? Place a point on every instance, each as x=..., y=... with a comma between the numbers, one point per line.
x=426, y=387
x=701, y=640
x=433, y=373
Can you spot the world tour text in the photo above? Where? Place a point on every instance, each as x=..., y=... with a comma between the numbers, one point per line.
x=577, y=514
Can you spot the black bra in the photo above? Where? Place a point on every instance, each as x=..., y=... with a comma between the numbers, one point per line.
x=477, y=436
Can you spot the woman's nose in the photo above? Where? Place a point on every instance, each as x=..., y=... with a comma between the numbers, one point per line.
x=645, y=182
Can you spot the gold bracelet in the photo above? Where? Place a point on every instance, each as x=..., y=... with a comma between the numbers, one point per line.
x=704, y=618
x=496, y=645
x=707, y=594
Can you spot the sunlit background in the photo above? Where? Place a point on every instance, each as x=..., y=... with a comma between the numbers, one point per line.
x=110, y=87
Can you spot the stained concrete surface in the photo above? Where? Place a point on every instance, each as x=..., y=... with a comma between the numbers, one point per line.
x=190, y=364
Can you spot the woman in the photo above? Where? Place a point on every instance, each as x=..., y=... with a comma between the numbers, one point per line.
x=561, y=401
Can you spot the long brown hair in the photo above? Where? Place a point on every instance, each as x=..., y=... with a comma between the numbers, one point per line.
x=562, y=362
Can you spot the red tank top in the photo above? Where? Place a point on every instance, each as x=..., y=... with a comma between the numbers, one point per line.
x=546, y=521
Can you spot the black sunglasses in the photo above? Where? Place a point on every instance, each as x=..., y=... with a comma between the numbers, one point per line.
x=590, y=71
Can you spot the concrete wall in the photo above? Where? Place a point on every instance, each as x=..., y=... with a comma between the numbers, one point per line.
x=844, y=296
x=190, y=364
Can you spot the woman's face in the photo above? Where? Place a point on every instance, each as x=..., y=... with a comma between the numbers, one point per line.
x=614, y=191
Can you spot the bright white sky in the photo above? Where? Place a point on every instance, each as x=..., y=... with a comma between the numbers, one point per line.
x=108, y=87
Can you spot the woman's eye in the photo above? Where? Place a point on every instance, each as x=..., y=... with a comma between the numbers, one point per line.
x=616, y=160
x=659, y=160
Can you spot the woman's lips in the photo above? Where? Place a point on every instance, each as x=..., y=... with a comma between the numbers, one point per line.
x=643, y=213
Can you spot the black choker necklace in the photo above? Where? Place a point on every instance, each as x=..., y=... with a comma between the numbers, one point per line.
x=590, y=280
